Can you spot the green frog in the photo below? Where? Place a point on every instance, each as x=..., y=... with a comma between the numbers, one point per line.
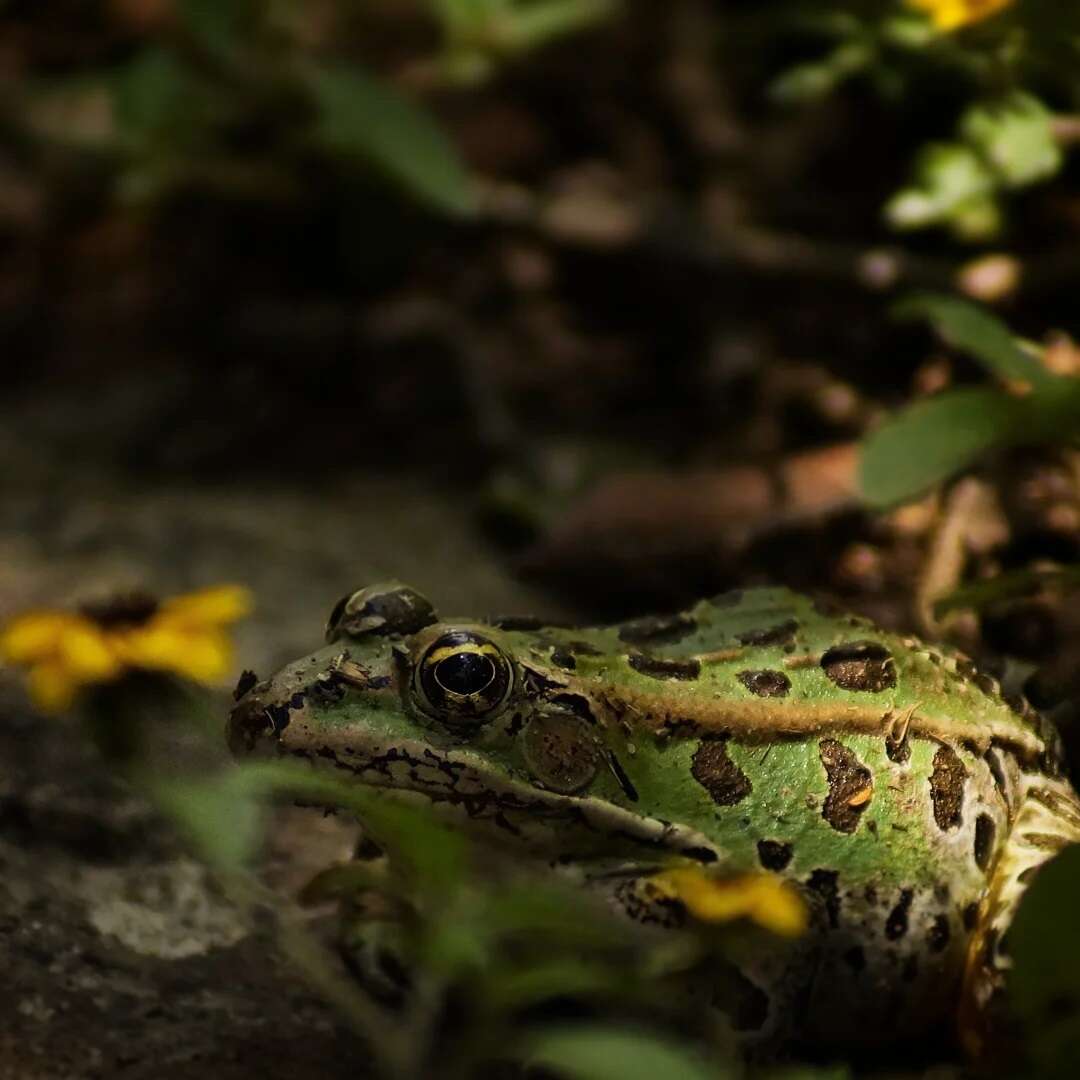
x=891, y=782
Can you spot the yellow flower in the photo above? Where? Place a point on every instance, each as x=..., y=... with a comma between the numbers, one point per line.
x=765, y=899
x=949, y=15
x=67, y=650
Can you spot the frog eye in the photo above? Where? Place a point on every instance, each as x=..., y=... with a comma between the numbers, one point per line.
x=463, y=678
x=389, y=608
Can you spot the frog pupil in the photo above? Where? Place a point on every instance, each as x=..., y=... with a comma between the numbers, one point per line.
x=465, y=673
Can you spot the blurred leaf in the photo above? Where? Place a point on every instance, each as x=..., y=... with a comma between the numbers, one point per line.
x=215, y=22
x=340, y=881
x=221, y=817
x=976, y=219
x=948, y=177
x=1015, y=136
x=362, y=117
x=560, y=976
x=1044, y=982
x=975, y=331
x=934, y=439
x=1016, y=583
x=602, y=1053
x=457, y=946
x=813, y=80
x=160, y=104
x=530, y=25
x=516, y=25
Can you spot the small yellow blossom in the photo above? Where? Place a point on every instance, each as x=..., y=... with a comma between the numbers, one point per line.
x=765, y=899
x=949, y=15
x=65, y=651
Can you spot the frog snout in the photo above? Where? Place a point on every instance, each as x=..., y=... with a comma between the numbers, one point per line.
x=258, y=719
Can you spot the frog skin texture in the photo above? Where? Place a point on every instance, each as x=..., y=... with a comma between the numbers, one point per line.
x=890, y=781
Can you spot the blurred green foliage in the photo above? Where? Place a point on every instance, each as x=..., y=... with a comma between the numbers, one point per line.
x=934, y=439
x=233, y=96
x=1044, y=944
x=480, y=34
x=236, y=96
x=1018, y=69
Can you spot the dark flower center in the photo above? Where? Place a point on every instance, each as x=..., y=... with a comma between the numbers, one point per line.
x=125, y=609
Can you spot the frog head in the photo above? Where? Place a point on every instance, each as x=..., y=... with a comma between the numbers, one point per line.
x=475, y=716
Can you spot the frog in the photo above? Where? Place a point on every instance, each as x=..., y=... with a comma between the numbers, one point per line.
x=905, y=795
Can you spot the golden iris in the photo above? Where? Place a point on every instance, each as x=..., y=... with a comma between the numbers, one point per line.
x=463, y=677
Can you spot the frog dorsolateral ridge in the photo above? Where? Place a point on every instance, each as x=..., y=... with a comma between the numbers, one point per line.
x=889, y=780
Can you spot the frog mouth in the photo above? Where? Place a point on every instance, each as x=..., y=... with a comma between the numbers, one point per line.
x=460, y=783
x=525, y=812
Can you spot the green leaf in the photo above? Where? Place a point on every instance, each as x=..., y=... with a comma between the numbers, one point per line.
x=602, y=1053
x=161, y=106
x=934, y=439
x=221, y=817
x=216, y=23
x=814, y=79
x=528, y=26
x=973, y=330
x=1044, y=982
x=1014, y=135
x=361, y=117
x=561, y=976
x=949, y=177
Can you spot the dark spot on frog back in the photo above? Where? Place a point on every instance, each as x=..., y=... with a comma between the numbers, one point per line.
x=825, y=885
x=657, y=667
x=774, y=854
x=947, y=783
x=714, y=770
x=850, y=786
x=563, y=658
x=656, y=629
x=781, y=634
x=896, y=925
x=985, y=834
x=937, y=936
x=765, y=683
x=860, y=665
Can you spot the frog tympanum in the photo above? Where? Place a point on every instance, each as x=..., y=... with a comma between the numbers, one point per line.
x=890, y=781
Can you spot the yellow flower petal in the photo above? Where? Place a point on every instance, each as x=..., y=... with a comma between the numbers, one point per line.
x=83, y=650
x=34, y=635
x=52, y=689
x=214, y=606
x=767, y=900
x=948, y=15
x=203, y=655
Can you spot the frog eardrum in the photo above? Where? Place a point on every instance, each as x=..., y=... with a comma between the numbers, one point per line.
x=462, y=678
